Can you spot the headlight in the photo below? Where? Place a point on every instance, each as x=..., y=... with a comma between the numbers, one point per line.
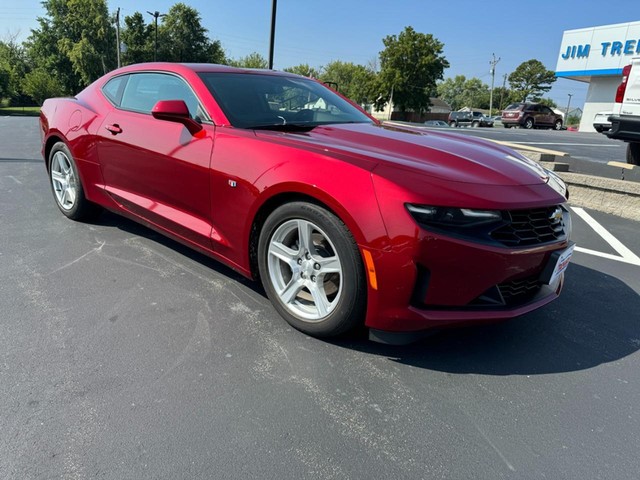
x=443, y=217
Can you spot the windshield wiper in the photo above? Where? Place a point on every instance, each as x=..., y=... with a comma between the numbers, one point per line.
x=287, y=127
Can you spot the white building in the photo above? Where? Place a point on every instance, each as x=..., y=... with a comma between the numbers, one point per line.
x=596, y=55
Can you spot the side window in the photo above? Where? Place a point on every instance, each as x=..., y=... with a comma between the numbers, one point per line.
x=113, y=89
x=547, y=110
x=144, y=90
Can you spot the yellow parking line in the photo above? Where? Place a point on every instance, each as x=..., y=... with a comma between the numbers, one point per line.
x=628, y=166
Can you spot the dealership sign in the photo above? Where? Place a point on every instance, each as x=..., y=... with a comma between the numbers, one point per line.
x=597, y=51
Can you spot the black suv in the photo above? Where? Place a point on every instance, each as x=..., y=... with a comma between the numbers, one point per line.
x=531, y=115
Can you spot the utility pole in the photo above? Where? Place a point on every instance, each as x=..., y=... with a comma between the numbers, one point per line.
x=155, y=15
x=568, y=103
x=274, y=6
x=493, y=64
x=118, y=36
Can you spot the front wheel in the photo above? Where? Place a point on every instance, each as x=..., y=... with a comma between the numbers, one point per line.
x=311, y=269
x=557, y=125
x=475, y=124
x=633, y=153
x=66, y=186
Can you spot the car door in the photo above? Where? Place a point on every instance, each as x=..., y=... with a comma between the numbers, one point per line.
x=547, y=116
x=154, y=168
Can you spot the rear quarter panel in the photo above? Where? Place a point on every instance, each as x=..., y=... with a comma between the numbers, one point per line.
x=75, y=121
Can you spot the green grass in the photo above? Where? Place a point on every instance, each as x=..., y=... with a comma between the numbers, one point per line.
x=20, y=111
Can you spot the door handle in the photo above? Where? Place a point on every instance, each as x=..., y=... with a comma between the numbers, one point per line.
x=114, y=129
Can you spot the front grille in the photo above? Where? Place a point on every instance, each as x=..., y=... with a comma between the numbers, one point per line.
x=533, y=226
x=519, y=291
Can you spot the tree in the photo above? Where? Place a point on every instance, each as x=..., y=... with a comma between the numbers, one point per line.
x=461, y=92
x=354, y=81
x=452, y=91
x=410, y=65
x=182, y=38
x=137, y=36
x=13, y=66
x=303, y=69
x=39, y=84
x=548, y=102
x=75, y=42
x=531, y=79
x=253, y=60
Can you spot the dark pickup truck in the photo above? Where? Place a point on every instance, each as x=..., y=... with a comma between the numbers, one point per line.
x=475, y=119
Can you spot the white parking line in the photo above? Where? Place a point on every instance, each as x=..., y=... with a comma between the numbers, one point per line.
x=572, y=144
x=626, y=255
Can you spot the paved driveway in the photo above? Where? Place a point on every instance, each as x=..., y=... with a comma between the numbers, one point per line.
x=124, y=355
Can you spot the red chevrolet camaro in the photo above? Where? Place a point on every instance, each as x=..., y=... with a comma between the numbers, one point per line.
x=344, y=220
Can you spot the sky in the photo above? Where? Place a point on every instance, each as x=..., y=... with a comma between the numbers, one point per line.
x=320, y=31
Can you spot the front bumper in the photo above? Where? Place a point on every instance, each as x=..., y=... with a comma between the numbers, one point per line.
x=444, y=282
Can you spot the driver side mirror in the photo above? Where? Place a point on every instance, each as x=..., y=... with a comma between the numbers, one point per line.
x=175, y=111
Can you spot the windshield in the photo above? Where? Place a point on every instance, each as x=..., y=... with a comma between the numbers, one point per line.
x=269, y=101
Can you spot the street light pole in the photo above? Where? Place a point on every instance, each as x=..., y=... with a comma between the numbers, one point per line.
x=155, y=15
x=274, y=6
x=566, y=120
x=118, y=36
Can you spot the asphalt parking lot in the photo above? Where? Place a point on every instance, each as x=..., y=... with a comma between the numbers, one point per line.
x=124, y=355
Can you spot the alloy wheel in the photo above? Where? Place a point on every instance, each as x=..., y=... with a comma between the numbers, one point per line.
x=63, y=180
x=305, y=270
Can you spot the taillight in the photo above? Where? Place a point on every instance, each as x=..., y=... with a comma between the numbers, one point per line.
x=623, y=85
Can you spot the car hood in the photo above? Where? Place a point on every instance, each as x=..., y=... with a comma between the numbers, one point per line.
x=448, y=156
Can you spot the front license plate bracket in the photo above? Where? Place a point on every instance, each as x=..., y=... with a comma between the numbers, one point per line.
x=557, y=263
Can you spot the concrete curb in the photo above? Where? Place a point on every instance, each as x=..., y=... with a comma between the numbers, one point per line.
x=607, y=195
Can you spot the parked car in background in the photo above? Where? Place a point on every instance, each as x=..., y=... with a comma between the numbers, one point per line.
x=531, y=115
x=346, y=222
x=601, y=121
x=436, y=124
x=625, y=121
x=473, y=119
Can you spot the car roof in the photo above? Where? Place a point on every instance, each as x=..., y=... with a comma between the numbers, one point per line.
x=198, y=68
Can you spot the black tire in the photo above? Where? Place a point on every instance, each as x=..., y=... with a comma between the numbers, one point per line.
x=297, y=276
x=475, y=124
x=59, y=161
x=453, y=124
x=506, y=125
x=633, y=153
x=599, y=129
x=557, y=125
x=528, y=123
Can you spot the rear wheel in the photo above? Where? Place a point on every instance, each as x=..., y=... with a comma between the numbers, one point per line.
x=453, y=124
x=312, y=270
x=633, y=153
x=599, y=129
x=66, y=186
x=528, y=123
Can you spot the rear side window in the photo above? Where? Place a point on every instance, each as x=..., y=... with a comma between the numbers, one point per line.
x=144, y=90
x=113, y=89
x=514, y=106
